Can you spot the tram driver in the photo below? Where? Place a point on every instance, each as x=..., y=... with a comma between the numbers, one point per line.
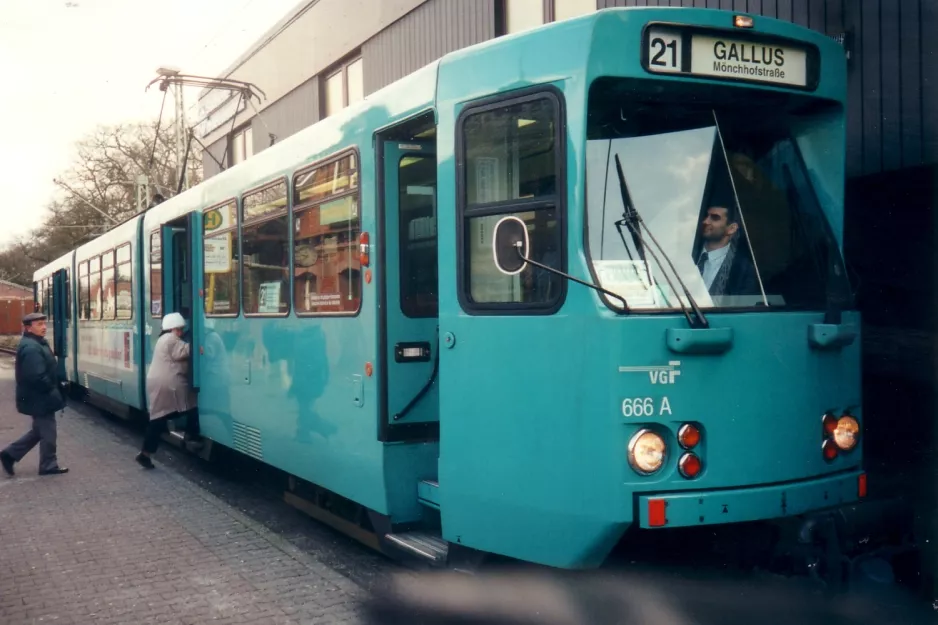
x=723, y=263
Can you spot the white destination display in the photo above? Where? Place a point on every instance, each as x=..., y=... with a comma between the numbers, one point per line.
x=726, y=58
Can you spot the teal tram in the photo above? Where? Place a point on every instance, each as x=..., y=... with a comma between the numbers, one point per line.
x=558, y=286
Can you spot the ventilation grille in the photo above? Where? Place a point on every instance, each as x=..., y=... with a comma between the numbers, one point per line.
x=247, y=440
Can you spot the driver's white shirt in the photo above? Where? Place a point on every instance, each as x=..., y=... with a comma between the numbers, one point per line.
x=713, y=264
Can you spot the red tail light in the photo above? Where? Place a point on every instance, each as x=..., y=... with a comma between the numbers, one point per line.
x=363, y=249
x=829, y=449
x=829, y=424
x=689, y=466
x=688, y=436
x=861, y=485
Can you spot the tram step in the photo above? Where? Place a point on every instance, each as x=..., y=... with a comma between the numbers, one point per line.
x=421, y=544
x=428, y=493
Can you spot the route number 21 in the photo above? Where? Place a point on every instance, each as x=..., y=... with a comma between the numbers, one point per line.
x=664, y=51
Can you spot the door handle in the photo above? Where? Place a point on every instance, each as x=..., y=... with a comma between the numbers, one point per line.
x=831, y=336
x=699, y=341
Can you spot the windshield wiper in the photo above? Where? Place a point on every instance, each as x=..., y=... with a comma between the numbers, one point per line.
x=634, y=222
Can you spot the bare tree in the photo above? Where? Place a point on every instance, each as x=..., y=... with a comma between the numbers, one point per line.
x=100, y=191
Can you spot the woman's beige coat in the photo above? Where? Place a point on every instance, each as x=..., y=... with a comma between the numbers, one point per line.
x=168, y=389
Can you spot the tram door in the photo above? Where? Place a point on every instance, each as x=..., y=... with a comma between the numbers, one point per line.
x=182, y=281
x=410, y=263
x=60, y=312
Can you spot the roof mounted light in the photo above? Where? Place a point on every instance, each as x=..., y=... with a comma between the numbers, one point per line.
x=742, y=21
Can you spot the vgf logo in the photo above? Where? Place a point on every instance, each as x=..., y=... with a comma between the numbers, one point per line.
x=661, y=374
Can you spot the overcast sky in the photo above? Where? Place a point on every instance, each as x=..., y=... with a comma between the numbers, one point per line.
x=69, y=65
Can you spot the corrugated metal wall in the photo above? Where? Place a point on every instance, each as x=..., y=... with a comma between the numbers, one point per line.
x=893, y=71
x=424, y=35
x=288, y=115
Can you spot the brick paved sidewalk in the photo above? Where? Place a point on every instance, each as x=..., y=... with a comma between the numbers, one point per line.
x=110, y=542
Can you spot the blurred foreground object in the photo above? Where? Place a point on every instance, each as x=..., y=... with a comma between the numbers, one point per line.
x=563, y=598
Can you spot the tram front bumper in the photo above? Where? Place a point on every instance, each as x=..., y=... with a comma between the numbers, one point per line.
x=737, y=505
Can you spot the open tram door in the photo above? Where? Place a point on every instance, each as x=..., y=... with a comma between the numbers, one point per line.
x=181, y=283
x=408, y=236
x=59, y=312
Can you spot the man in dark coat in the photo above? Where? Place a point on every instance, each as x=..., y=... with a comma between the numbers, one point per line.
x=38, y=395
x=726, y=269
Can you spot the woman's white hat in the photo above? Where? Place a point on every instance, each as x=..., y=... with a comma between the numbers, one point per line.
x=173, y=321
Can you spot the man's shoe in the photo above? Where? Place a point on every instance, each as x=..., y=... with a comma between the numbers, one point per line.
x=55, y=471
x=7, y=461
x=144, y=461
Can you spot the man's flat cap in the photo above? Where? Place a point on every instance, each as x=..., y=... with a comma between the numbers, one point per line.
x=28, y=319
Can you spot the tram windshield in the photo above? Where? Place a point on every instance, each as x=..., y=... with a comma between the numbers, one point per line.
x=726, y=194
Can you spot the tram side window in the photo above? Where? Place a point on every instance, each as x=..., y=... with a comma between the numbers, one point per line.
x=124, y=298
x=220, y=260
x=50, y=293
x=417, y=202
x=265, y=252
x=512, y=160
x=94, y=287
x=326, y=265
x=84, y=298
x=68, y=295
x=107, y=286
x=156, y=275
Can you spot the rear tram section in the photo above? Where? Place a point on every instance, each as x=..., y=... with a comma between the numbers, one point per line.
x=442, y=385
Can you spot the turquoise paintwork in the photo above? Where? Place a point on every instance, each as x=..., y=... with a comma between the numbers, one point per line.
x=531, y=458
x=107, y=351
x=298, y=385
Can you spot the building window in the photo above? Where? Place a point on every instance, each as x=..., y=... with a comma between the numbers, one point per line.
x=565, y=9
x=242, y=145
x=326, y=260
x=220, y=260
x=521, y=15
x=265, y=255
x=344, y=85
x=511, y=155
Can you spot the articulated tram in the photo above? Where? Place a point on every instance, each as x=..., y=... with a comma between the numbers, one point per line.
x=553, y=288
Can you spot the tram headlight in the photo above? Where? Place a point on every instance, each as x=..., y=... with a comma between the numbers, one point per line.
x=847, y=433
x=647, y=451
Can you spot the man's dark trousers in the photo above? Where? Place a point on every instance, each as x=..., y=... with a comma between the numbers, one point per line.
x=42, y=432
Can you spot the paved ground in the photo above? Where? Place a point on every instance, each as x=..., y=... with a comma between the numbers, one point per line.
x=187, y=543
x=112, y=543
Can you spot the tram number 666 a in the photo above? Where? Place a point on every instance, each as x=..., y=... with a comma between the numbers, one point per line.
x=645, y=407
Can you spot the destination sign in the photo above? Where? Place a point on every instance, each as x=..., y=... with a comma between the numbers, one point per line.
x=669, y=50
